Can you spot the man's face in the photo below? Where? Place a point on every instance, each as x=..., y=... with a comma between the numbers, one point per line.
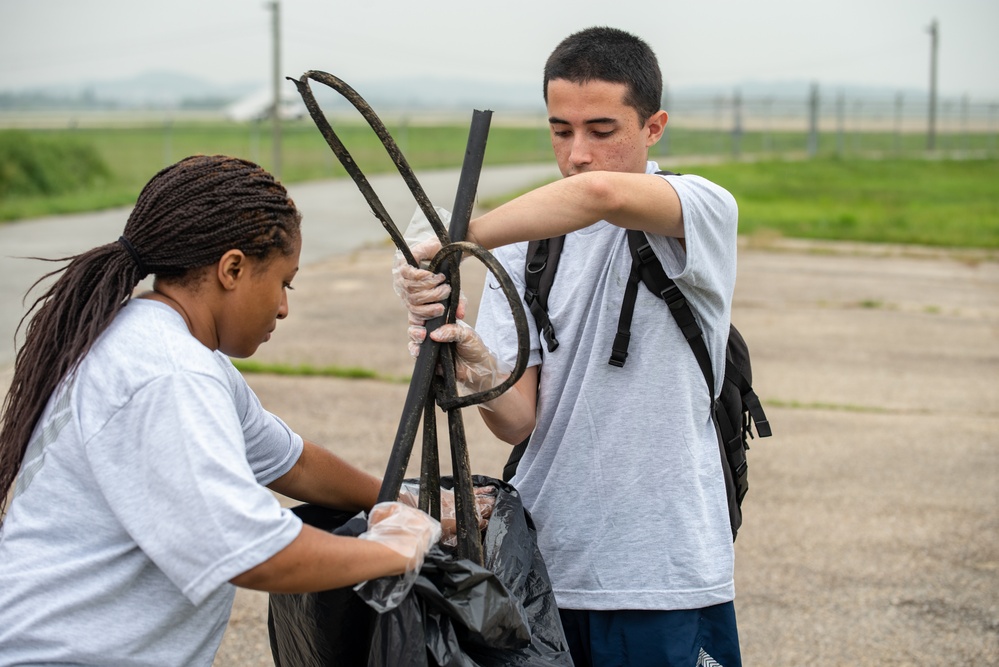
x=592, y=129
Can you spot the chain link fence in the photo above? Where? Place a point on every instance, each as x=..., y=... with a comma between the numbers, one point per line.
x=830, y=124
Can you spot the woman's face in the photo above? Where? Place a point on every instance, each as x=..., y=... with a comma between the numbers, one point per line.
x=257, y=302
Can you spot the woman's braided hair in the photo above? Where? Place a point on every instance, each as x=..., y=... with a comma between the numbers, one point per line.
x=186, y=218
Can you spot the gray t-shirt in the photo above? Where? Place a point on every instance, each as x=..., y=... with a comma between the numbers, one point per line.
x=623, y=474
x=139, y=498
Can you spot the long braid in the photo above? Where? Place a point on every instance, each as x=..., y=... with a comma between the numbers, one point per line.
x=186, y=218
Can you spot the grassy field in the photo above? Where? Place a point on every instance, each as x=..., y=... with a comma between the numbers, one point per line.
x=843, y=194
x=133, y=155
x=930, y=202
x=947, y=203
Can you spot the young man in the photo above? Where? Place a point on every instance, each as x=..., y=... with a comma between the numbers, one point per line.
x=622, y=475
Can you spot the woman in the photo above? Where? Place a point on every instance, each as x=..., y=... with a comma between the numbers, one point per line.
x=141, y=456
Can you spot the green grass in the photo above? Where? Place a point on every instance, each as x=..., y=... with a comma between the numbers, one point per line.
x=939, y=202
x=129, y=156
x=304, y=370
x=839, y=407
x=947, y=203
x=943, y=203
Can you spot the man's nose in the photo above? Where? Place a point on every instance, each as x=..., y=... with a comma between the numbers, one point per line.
x=580, y=153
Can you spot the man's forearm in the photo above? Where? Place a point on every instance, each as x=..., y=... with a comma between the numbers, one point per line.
x=511, y=416
x=635, y=201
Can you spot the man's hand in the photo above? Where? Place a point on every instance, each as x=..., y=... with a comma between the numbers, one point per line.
x=420, y=290
x=476, y=367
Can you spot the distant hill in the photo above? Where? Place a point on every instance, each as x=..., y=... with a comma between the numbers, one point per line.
x=163, y=88
x=155, y=89
x=166, y=89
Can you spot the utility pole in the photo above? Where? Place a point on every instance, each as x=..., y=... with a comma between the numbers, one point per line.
x=931, y=137
x=275, y=7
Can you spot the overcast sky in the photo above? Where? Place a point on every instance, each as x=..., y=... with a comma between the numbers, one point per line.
x=722, y=42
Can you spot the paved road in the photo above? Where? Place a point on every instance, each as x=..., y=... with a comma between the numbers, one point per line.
x=337, y=219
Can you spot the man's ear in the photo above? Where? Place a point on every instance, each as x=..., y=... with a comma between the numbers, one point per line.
x=657, y=125
x=230, y=268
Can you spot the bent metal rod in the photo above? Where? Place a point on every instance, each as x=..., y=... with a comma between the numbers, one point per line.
x=423, y=384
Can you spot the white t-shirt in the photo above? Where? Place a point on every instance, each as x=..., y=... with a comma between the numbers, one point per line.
x=139, y=498
x=623, y=473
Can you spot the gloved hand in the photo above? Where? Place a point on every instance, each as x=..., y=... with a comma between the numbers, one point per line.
x=420, y=290
x=403, y=529
x=476, y=367
x=485, y=499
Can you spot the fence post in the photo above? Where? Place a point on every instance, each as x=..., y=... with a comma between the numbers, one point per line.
x=737, y=125
x=994, y=126
x=255, y=140
x=965, y=137
x=768, y=139
x=897, y=138
x=931, y=135
x=276, y=154
x=719, y=124
x=858, y=114
x=168, y=140
x=664, y=142
x=840, y=122
x=945, y=142
x=813, y=121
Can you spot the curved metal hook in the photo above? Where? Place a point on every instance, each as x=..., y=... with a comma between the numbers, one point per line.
x=351, y=95
x=516, y=309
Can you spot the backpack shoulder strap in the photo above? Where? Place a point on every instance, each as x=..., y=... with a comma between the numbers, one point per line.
x=539, y=274
x=651, y=272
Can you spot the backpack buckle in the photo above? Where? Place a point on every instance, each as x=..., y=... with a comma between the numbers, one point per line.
x=549, y=333
x=673, y=297
x=646, y=254
x=619, y=353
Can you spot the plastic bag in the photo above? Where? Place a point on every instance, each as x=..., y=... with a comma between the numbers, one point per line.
x=457, y=612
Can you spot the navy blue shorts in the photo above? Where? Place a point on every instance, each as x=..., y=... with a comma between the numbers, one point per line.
x=633, y=638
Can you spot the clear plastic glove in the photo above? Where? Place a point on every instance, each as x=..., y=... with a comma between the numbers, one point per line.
x=419, y=229
x=407, y=531
x=485, y=499
x=476, y=368
x=403, y=529
x=420, y=290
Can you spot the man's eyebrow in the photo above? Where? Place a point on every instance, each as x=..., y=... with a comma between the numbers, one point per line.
x=555, y=120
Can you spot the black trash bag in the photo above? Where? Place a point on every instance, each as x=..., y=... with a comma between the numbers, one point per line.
x=456, y=614
x=328, y=627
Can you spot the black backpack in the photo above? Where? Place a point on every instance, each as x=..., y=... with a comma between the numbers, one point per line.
x=736, y=408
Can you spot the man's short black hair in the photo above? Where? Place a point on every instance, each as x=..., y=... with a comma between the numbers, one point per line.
x=609, y=54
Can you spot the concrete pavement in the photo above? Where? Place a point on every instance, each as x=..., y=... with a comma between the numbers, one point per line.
x=870, y=532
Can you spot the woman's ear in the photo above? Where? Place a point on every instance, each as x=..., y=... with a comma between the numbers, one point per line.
x=230, y=268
